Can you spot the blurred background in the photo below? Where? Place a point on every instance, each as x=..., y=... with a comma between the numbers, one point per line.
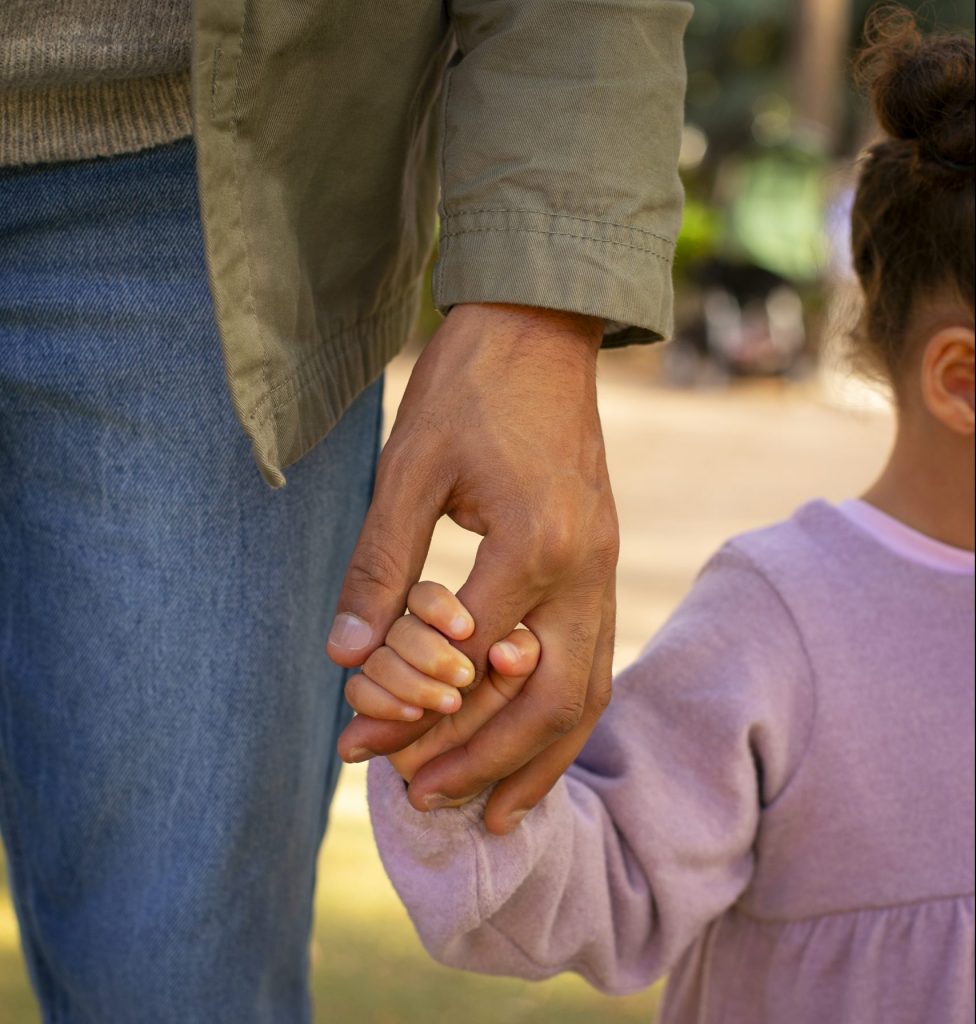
x=751, y=410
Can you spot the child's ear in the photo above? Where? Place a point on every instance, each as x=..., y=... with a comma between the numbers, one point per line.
x=948, y=378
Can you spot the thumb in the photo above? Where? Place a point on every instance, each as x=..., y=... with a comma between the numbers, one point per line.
x=387, y=561
x=512, y=661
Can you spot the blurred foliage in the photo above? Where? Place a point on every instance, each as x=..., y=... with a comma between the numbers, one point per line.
x=700, y=232
x=739, y=56
x=773, y=209
x=757, y=182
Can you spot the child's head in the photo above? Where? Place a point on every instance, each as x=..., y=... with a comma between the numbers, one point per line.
x=912, y=227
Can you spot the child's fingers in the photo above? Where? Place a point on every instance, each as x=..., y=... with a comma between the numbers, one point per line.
x=429, y=652
x=481, y=704
x=368, y=698
x=439, y=608
x=385, y=667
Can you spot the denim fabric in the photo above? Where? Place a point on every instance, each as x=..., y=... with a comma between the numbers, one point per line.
x=167, y=712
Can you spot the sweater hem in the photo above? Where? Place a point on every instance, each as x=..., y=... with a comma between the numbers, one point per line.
x=81, y=121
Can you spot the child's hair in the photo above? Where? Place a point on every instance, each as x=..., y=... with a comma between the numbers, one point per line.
x=912, y=225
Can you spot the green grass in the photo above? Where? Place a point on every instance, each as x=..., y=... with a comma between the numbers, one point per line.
x=368, y=966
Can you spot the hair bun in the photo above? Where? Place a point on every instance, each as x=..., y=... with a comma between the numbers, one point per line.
x=921, y=87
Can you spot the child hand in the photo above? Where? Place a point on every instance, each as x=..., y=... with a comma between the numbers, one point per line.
x=417, y=668
x=411, y=672
x=510, y=662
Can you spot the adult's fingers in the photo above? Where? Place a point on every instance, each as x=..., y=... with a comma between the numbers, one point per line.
x=499, y=592
x=550, y=705
x=389, y=555
x=521, y=791
x=365, y=737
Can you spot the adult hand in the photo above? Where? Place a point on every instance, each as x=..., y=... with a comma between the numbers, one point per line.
x=498, y=429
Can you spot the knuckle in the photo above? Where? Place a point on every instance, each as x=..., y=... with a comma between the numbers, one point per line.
x=374, y=567
x=443, y=663
x=550, y=546
x=605, y=549
x=451, y=734
x=563, y=718
x=601, y=563
x=374, y=665
x=394, y=463
x=579, y=644
x=442, y=602
x=399, y=631
x=560, y=541
x=352, y=691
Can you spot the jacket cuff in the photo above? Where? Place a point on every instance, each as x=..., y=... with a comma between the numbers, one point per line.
x=619, y=273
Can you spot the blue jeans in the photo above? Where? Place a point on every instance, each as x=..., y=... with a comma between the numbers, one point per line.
x=167, y=712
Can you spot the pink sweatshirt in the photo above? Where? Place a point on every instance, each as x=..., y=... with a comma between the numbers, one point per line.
x=777, y=808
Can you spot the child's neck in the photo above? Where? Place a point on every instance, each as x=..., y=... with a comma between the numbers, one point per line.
x=928, y=485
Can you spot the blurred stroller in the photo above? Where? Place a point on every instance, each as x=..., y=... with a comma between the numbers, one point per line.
x=742, y=309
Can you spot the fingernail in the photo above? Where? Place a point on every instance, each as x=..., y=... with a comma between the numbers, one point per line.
x=461, y=625
x=449, y=703
x=510, y=651
x=358, y=754
x=463, y=675
x=514, y=820
x=436, y=801
x=349, y=632
x=411, y=714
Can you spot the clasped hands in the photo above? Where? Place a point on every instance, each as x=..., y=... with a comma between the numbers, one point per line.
x=417, y=668
x=498, y=429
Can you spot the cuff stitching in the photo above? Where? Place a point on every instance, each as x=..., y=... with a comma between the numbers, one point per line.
x=564, y=216
x=557, y=234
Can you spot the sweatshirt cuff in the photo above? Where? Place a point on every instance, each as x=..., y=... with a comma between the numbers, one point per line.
x=421, y=833
x=451, y=874
x=619, y=273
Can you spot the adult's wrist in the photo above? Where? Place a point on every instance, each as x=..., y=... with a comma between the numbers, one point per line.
x=525, y=321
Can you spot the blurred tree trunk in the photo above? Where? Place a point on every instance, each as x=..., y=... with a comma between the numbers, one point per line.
x=821, y=31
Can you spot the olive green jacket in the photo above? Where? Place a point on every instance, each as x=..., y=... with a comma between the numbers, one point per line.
x=327, y=130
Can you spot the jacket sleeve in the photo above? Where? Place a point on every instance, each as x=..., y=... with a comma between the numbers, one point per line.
x=560, y=153
x=650, y=835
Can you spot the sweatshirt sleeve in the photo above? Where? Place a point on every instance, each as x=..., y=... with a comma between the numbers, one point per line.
x=650, y=835
x=560, y=179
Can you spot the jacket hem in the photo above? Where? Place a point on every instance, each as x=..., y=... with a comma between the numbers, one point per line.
x=301, y=408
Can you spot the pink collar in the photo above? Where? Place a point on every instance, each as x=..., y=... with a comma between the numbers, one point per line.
x=906, y=542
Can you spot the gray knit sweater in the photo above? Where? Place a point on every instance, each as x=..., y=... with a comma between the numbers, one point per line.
x=86, y=78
